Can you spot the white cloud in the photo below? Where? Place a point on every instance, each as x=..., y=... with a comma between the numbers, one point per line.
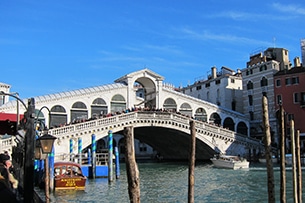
x=292, y=9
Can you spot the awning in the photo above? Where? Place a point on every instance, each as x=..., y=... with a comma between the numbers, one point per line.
x=10, y=116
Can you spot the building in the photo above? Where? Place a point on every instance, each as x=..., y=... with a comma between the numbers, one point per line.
x=290, y=92
x=258, y=81
x=5, y=88
x=222, y=88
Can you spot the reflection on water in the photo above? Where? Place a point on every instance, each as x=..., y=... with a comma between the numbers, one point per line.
x=168, y=182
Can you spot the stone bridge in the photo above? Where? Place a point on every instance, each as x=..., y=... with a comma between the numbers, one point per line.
x=168, y=133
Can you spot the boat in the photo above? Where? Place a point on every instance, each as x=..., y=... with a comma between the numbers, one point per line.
x=229, y=161
x=263, y=160
x=68, y=175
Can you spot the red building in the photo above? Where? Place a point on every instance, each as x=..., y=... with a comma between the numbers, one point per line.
x=289, y=89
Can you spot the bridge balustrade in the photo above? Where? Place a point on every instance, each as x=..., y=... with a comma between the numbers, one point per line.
x=166, y=118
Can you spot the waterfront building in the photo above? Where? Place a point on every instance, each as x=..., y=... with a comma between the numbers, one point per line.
x=5, y=88
x=258, y=81
x=290, y=92
x=223, y=88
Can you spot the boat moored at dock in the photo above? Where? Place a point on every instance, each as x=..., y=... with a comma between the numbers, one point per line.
x=68, y=175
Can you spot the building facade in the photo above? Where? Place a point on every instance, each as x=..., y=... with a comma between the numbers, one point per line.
x=258, y=82
x=223, y=88
x=290, y=92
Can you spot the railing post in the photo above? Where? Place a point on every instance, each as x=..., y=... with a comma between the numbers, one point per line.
x=93, y=147
x=71, y=149
x=80, y=146
x=110, y=153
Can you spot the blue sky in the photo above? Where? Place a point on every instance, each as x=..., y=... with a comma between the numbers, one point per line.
x=52, y=46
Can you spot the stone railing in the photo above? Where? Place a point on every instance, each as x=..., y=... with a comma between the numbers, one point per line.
x=179, y=121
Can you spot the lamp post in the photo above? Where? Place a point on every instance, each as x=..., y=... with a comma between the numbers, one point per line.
x=44, y=146
x=29, y=145
x=46, y=141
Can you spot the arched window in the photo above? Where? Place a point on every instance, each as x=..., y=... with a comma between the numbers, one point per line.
x=264, y=82
x=118, y=103
x=249, y=85
x=79, y=112
x=98, y=108
x=58, y=116
x=170, y=104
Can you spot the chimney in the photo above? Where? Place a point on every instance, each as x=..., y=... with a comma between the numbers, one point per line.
x=214, y=72
x=297, y=62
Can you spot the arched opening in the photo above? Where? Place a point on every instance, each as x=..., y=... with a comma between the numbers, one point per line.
x=186, y=109
x=58, y=116
x=242, y=128
x=79, y=112
x=228, y=123
x=215, y=119
x=201, y=115
x=170, y=105
x=98, y=108
x=146, y=92
x=118, y=103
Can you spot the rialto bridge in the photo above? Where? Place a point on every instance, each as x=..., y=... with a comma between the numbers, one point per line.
x=160, y=116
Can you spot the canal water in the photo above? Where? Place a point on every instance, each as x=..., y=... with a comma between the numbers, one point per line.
x=168, y=182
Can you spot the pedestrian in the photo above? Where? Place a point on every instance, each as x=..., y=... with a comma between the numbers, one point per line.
x=6, y=169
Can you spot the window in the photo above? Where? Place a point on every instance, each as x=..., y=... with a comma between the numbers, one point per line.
x=250, y=85
x=278, y=82
x=250, y=100
x=251, y=115
x=232, y=80
x=198, y=87
x=295, y=80
x=279, y=99
x=264, y=82
x=288, y=81
x=217, y=82
x=290, y=117
x=207, y=85
x=303, y=96
x=296, y=97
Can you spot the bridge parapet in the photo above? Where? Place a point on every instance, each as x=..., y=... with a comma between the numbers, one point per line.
x=159, y=118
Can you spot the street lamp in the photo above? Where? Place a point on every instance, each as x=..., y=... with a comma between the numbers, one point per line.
x=46, y=142
x=44, y=146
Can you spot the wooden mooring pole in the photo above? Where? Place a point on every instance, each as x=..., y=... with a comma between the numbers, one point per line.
x=131, y=166
x=267, y=142
x=294, y=176
x=282, y=156
x=299, y=169
x=192, y=163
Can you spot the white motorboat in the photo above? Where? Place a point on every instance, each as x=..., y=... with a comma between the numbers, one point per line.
x=228, y=161
x=263, y=160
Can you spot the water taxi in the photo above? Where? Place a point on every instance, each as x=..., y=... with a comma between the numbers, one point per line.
x=227, y=161
x=68, y=175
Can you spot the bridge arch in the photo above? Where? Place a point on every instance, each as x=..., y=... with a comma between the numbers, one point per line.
x=58, y=116
x=186, y=109
x=242, y=128
x=79, y=111
x=229, y=123
x=201, y=115
x=170, y=105
x=98, y=108
x=118, y=103
x=215, y=118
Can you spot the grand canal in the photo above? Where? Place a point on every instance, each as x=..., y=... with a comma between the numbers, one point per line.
x=168, y=182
